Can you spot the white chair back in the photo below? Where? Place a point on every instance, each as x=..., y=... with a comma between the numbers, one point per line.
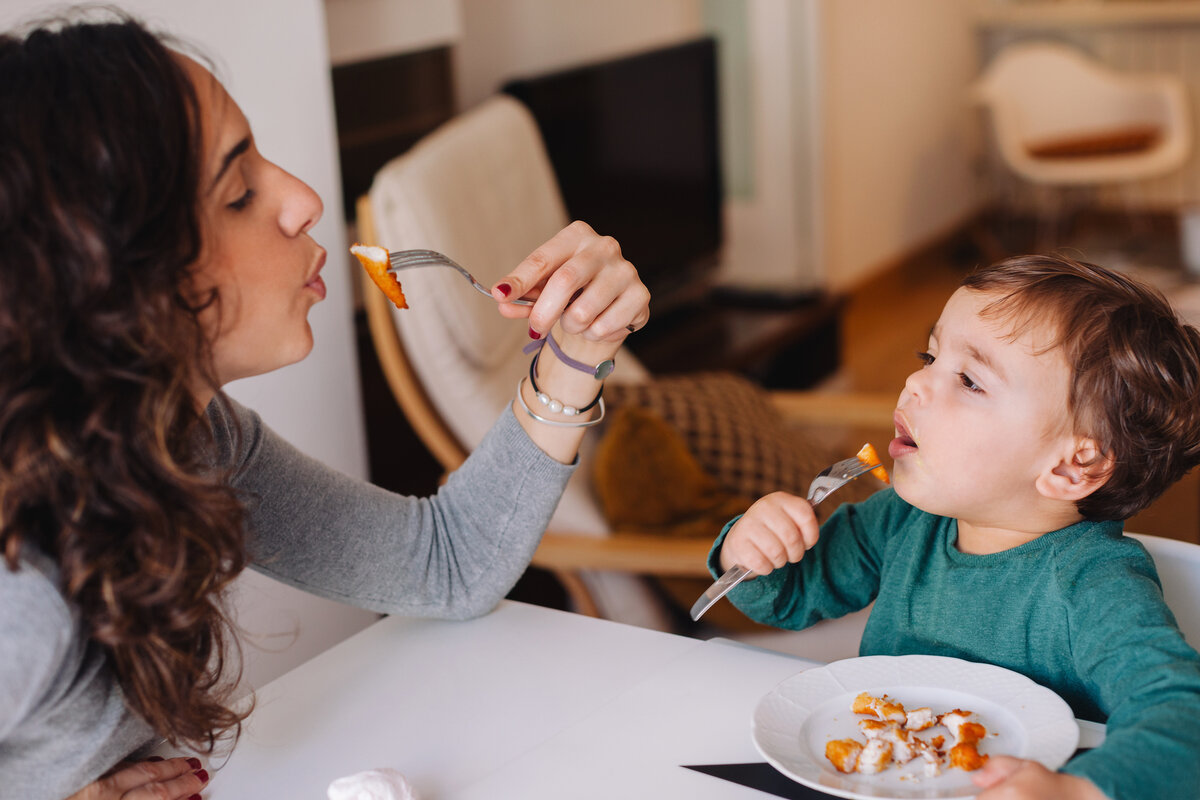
x=1041, y=92
x=1178, y=566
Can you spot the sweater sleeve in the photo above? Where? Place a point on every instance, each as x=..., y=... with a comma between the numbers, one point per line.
x=453, y=555
x=1144, y=676
x=837, y=576
x=35, y=634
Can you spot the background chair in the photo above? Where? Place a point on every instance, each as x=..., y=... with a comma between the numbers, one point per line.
x=1061, y=120
x=481, y=190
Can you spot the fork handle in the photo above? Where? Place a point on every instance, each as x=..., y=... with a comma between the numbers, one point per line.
x=732, y=577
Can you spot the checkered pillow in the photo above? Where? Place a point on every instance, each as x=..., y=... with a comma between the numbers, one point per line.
x=734, y=432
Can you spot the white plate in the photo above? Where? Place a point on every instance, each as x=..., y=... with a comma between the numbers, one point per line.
x=795, y=719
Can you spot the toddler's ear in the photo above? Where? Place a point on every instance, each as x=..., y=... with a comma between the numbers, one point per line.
x=1082, y=470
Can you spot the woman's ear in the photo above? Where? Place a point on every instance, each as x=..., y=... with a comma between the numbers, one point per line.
x=1082, y=470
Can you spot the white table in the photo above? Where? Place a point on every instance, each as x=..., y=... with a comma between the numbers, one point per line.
x=526, y=702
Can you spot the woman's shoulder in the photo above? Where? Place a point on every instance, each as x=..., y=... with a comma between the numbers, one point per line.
x=38, y=635
x=32, y=606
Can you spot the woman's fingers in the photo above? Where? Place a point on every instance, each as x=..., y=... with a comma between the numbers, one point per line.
x=582, y=279
x=169, y=779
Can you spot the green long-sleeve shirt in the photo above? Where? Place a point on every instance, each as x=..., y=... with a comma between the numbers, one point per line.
x=1079, y=610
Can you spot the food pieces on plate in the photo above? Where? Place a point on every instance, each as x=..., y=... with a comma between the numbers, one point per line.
x=375, y=262
x=966, y=757
x=919, y=719
x=875, y=757
x=890, y=733
x=879, y=707
x=843, y=753
x=868, y=456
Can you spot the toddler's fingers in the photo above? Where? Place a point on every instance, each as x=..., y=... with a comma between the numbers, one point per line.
x=995, y=771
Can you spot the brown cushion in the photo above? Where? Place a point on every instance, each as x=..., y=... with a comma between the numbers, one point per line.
x=731, y=429
x=1119, y=141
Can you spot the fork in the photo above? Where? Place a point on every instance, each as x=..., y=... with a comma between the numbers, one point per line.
x=829, y=480
x=409, y=259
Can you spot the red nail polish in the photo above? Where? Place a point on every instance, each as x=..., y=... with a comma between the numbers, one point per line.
x=195, y=797
x=194, y=763
x=504, y=289
x=534, y=334
x=202, y=775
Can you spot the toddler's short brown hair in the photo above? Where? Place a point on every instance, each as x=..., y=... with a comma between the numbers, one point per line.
x=1135, y=382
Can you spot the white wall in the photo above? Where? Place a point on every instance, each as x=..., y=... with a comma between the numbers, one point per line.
x=899, y=140
x=859, y=145
x=504, y=39
x=272, y=56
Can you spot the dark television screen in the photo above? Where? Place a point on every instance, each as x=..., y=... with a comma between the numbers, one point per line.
x=635, y=148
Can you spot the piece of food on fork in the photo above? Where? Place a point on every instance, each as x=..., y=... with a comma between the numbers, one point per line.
x=868, y=456
x=375, y=262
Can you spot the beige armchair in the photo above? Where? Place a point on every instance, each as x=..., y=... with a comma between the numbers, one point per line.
x=482, y=191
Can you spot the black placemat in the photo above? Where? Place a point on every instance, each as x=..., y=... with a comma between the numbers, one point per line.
x=765, y=778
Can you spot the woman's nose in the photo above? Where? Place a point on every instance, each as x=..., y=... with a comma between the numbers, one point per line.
x=301, y=207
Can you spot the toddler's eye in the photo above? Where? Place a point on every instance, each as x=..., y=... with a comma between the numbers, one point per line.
x=969, y=384
x=925, y=358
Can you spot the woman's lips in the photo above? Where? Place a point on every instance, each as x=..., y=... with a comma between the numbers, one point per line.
x=904, y=443
x=316, y=282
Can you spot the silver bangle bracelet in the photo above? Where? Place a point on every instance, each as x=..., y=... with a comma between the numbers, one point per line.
x=557, y=423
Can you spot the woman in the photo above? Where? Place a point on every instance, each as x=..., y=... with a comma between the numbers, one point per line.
x=149, y=255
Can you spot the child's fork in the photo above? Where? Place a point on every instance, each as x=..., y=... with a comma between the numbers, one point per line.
x=408, y=259
x=829, y=480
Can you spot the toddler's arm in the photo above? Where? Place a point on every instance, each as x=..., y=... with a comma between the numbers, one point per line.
x=775, y=531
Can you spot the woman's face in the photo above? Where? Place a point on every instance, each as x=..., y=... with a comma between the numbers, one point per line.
x=257, y=252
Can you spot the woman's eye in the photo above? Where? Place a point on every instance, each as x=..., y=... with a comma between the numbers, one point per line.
x=243, y=201
x=969, y=384
x=925, y=358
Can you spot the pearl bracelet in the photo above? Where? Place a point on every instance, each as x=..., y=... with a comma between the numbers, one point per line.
x=558, y=423
x=557, y=406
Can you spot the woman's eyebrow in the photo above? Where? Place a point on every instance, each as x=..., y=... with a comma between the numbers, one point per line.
x=234, y=152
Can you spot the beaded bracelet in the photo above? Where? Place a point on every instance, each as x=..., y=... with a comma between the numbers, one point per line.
x=557, y=406
x=599, y=372
x=557, y=423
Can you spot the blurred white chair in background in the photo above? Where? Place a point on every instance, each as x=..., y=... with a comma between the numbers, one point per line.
x=1061, y=120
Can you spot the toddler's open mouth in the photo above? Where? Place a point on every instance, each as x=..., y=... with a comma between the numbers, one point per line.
x=904, y=443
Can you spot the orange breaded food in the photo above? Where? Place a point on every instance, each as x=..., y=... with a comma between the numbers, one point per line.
x=964, y=756
x=375, y=262
x=868, y=456
x=843, y=754
x=879, y=707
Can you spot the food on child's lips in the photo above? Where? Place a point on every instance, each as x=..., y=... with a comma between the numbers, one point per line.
x=375, y=262
x=890, y=733
x=868, y=456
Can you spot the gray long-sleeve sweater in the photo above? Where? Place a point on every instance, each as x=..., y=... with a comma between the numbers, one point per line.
x=63, y=722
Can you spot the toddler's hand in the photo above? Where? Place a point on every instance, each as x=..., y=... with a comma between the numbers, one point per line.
x=774, y=531
x=1006, y=778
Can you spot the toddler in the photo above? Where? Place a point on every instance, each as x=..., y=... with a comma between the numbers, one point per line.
x=1055, y=400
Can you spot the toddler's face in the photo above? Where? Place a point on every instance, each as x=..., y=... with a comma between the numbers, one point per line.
x=983, y=416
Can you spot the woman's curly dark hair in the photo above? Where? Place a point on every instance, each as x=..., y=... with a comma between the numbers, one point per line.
x=105, y=458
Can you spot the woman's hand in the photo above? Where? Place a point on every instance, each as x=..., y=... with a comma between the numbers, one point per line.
x=581, y=282
x=775, y=531
x=1006, y=778
x=153, y=779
